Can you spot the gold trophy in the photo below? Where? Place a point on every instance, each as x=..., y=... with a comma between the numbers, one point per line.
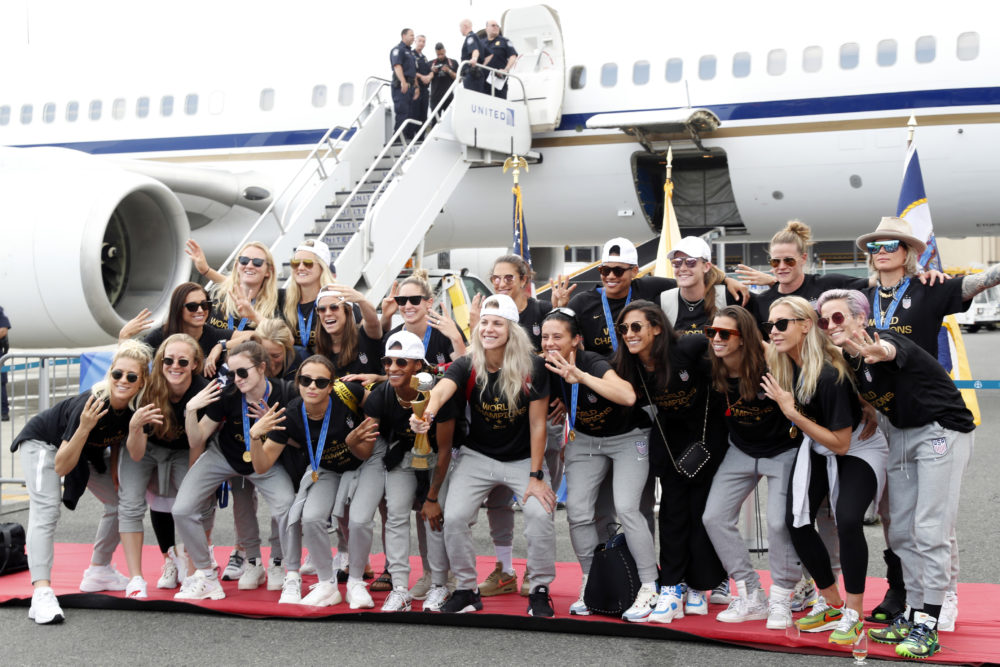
x=421, y=452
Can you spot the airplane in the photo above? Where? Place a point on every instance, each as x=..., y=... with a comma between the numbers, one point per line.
x=126, y=129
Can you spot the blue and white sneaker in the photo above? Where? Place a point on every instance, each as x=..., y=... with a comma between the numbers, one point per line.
x=643, y=606
x=697, y=603
x=669, y=605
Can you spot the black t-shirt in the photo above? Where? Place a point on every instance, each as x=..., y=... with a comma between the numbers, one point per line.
x=229, y=411
x=913, y=389
x=690, y=320
x=589, y=310
x=835, y=403
x=442, y=80
x=680, y=405
x=218, y=319
x=596, y=415
x=59, y=423
x=757, y=427
x=394, y=422
x=210, y=336
x=307, y=312
x=368, y=359
x=437, y=346
x=336, y=454
x=492, y=431
x=180, y=439
x=531, y=318
x=812, y=287
x=920, y=310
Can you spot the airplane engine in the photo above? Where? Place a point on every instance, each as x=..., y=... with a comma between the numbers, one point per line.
x=84, y=246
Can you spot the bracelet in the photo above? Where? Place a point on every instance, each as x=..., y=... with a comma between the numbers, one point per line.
x=431, y=500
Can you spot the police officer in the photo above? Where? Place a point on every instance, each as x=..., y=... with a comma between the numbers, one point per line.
x=419, y=109
x=473, y=50
x=503, y=58
x=404, y=71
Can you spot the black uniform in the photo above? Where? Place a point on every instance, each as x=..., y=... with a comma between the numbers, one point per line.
x=419, y=108
x=472, y=77
x=502, y=50
x=402, y=55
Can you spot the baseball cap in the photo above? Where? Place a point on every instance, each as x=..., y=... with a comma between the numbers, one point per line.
x=623, y=250
x=501, y=305
x=318, y=248
x=692, y=246
x=404, y=345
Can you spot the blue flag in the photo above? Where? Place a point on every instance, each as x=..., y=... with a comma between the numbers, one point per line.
x=520, y=247
x=913, y=208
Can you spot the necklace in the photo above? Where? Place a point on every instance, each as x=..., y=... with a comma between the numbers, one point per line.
x=691, y=306
x=730, y=406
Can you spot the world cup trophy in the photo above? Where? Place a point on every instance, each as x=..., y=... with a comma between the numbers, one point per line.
x=421, y=452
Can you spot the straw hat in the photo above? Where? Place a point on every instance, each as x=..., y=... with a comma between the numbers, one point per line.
x=893, y=228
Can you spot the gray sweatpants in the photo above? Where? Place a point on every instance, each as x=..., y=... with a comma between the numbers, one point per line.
x=473, y=478
x=167, y=466
x=736, y=478
x=210, y=470
x=588, y=461
x=44, y=499
x=926, y=465
x=244, y=504
x=364, y=504
x=317, y=500
x=437, y=552
x=400, y=490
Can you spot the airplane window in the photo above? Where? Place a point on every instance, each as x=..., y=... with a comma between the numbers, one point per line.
x=640, y=72
x=577, y=77
x=609, y=74
x=345, y=96
x=968, y=46
x=26, y=112
x=142, y=107
x=118, y=108
x=4, y=114
x=925, y=49
x=319, y=96
x=49, y=112
x=885, y=54
x=776, y=61
x=95, y=110
x=267, y=99
x=812, y=58
x=72, y=111
x=675, y=70
x=706, y=68
x=850, y=54
x=741, y=64
x=167, y=105
x=191, y=104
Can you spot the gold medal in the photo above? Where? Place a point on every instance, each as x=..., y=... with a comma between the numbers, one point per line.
x=793, y=432
x=572, y=436
x=246, y=457
x=315, y=476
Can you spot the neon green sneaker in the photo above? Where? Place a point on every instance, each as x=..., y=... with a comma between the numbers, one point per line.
x=848, y=629
x=893, y=633
x=920, y=643
x=822, y=617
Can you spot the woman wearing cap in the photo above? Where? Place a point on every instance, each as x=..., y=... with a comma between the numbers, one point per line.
x=506, y=387
x=354, y=350
x=700, y=288
x=333, y=443
x=310, y=271
x=390, y=405
x=442, y=339
x=930, y=433
x=72, y=439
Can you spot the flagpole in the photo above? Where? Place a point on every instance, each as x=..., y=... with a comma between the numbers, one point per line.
x=911, y=129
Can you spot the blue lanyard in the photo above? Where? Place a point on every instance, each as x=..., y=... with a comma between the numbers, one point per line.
x=241, y=327
x=305, y=329
x=246, y=418
x=427, y=337
x=316, y=456
x=883, y=321
x=607, y=315
x=571, y=413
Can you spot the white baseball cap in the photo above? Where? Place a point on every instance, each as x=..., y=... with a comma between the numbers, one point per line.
x=328, y=291
x=692, y=246
x=318, y=248
x=625, y=252
x=501, y=305
x=404, y=345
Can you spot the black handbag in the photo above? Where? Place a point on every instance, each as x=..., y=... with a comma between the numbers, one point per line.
x=12, y=558
x=696, y=455
x=613, y=581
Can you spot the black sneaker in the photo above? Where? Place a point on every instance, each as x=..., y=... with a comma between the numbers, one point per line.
x=540, y=603
x=463, y=601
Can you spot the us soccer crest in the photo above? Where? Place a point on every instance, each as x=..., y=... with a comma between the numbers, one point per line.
x=349, y=421
x=440, y=358
x=363, y=358
x=591, y=397
x=684, y=376
x=535, y=329
x=642, y=447
x=940, y=445
x=906, y=303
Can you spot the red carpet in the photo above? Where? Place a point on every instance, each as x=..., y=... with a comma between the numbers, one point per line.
x=976, y=640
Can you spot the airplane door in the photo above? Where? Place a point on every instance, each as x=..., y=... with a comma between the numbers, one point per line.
x=537, y=36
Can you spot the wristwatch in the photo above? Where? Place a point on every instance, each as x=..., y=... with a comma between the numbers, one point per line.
x=538, y=474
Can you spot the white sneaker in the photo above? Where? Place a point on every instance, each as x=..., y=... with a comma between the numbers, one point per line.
x=398, y=600
x=669, y=605
x=436, y=597
x=645, y=600
x=45, y=607
x=696, y=603
x=168, y=574
x=307, y=566
x=322, y=594
x=181, y=562
x=804, y=595
x=720, y=594
x=291, y=589
x=276, y=575
x=949, y=613
x=136, y=588
x=97, y=578
x=422, y=587
x=579, y=608
x=253, y=576
x=745, y=606
x=200, y=586
x=358, y=596
x=779, y=608
x=236, y=566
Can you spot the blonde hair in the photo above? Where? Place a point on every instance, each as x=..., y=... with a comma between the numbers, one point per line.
x=293, y=293
x=797, y=233
x=266, y=303
x=275, y=330
x=138, y=352
x=817, y=351
x=518, y=356
x=159, y=392
x=714, y=276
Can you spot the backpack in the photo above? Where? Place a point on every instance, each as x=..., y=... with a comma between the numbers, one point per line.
x=12, y=558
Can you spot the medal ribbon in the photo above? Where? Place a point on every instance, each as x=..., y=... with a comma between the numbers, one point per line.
x=882, y=322
x=316, y=456
x=246, y=418
x=305, y=328
x=571, y=412
x=607, y=316
x=242, y=325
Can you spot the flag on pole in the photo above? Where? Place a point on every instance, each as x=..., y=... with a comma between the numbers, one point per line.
x=670, y=231
x=520, y=247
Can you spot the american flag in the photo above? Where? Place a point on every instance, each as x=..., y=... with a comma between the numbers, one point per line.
x=520, y=247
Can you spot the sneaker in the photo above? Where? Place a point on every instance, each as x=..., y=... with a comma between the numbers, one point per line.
x=893, y=633
x=136, y=588
x=540, y=602
x=215, y=561
x=696, y=603
x=181, y=562
x=436, y=597
x=921, y=642
x=236, y=566
x=253, y=576
x=358, y=596
x=97, y=578
x=525, y=589
x=949, y=613
x=645, y=600
x=422, y=587
x=579, y=608
x=720, y=594
x=45, y=607
x=382, y=583
x=463, y=601
x=779, y=608
x=822, y=617
x=276, y=575
x=804, y=595
x=168, y=574
x=398, y=599
x=322, y=594
x=849, y=629
x=291, y=589
x=498, y=583
x=745, y=606
x=307, y=566
x=200, y=586
x=669, y=605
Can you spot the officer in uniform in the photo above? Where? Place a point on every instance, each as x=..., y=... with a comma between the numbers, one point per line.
x=473, y=49
x=419, y=109
x=404, y=72
x=503, y=58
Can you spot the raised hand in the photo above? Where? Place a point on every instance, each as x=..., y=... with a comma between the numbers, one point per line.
x=136, y=325
x=567, y=370
x=93, y=410
x=147, y=414
x=210, y=394
x=364, y=435
x=267, y=421
x=561, y=291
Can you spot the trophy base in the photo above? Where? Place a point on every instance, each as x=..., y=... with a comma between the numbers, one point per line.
x=414, y=461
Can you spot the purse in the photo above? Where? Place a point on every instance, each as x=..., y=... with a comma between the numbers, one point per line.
x=696, y=455
x=12, y=558
x=613, y=580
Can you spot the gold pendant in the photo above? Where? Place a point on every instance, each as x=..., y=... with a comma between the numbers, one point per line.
x=572, y=436
x=315, y=476
x=246, y=457
x=793, y=432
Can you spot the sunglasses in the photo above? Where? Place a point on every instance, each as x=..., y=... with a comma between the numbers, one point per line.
x=824, y=322
x=118, y=374
x=307, y=262
x=889, y=246
x=400, y=362
x=195, y=306
x=506, y=278
x=244, y=260
x=789, y=261
x=689, y=262
x=321, y=383
x=334, y=308
x=780, y=325
x=561, y=311
x=169, y=361
x=724, y=334
x=636, y=327
x=242, y=373
x=412, y=300
x=616, y=271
